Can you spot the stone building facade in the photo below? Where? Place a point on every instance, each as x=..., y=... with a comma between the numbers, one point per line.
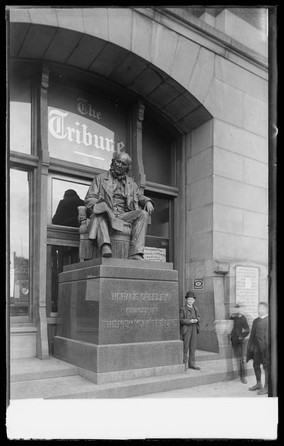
x=186, y=91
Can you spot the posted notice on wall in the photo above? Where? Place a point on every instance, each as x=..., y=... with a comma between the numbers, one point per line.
x=155, y=254
x=247, y=290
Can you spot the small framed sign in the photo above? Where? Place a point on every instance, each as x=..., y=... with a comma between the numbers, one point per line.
x=198, y=284
x=155, y=254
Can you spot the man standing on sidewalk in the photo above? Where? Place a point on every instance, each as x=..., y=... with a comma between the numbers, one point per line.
x=189, y=323
x=258, y=348
x=239, y=333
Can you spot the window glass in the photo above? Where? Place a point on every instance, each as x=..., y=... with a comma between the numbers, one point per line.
x=20, y=114
x=158, y=231
x=159, y=224
x=19, y=243
x=84, y=128
x=66, y=197
x=156, y=154
x=59, y=257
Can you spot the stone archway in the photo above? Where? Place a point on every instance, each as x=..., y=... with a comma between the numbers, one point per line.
x=142, y=56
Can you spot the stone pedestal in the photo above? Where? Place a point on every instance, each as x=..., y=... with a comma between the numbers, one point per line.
x=119, y=319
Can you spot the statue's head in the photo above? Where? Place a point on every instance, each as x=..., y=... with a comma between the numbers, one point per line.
x=120, y=164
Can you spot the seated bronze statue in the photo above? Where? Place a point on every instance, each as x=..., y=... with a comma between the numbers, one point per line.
x=114, y=203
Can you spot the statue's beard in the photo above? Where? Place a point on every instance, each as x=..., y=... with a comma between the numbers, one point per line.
x=117, y=175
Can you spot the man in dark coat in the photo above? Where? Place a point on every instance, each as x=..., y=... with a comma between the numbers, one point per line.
x=238, y=334
x=189, y=328
x=114, y=198
x=67, y=213
x=258, y=348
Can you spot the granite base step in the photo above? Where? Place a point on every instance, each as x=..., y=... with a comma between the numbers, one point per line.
x=27, y=369
x=35, y=369
x=77, y=387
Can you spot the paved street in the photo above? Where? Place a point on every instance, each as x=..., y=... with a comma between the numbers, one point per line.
x=224, y=389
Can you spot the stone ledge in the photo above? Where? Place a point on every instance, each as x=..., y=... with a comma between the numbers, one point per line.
x=136, y=387
x=14, y=329
x=115, y=361
x=75, y=387
x=119, y=263
x=110, y=273
x=123, y=375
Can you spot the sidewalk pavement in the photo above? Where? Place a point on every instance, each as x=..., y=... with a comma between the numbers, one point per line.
x=224, y=389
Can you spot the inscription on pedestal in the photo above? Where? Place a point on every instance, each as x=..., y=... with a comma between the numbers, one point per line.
x=100, y=309
x=135, y=312
x=139, y=315
x=247, y=290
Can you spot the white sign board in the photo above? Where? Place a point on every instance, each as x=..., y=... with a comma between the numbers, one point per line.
x=247, y=290
x=155, y=254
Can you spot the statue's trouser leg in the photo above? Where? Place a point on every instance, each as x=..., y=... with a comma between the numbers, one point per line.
x=103, y=232
x=139, y=220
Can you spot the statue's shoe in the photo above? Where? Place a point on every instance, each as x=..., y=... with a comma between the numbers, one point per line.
x=106, y=250
x=136, y=257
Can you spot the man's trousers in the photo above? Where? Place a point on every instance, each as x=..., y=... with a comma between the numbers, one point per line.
x=139, y=221
x=239, y=349
x=189, y=345
x=261, y=357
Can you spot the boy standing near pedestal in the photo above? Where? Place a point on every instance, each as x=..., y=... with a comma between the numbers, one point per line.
x=258, y=348
x=238, y=339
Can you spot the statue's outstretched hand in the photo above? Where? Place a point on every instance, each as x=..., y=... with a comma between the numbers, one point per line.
x=149, y=207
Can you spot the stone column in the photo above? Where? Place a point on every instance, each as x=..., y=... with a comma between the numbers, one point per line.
x=41, y=183
x=223, y=326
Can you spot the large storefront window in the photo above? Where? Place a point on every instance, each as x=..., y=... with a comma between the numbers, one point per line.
x=57, y=258
x=19, y=243
x=160, y=226
x=84, y=128
x=20, y=114
x=157, y=157
x=66, y=196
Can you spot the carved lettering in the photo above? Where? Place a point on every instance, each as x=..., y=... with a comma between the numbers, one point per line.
x=148, y=297
x=140, y=323
x=143, y=310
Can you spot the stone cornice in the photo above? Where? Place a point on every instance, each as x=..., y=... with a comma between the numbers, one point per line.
x=203, y=29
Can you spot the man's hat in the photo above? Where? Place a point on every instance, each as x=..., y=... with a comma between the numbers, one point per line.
x=190, y=294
